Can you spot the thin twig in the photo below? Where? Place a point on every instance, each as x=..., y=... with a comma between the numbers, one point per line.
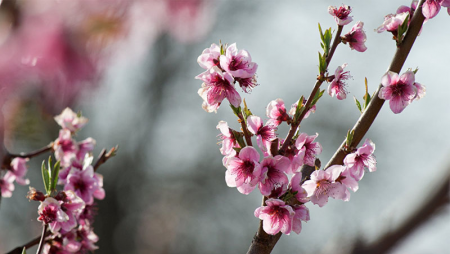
x=41, y=241
x=294, y=126
x=104, y=156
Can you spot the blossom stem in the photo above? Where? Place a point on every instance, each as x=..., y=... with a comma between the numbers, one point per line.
x=247, y=135
x=294, y=126
x=336, y=41
x=41, y=241
x=367, y=118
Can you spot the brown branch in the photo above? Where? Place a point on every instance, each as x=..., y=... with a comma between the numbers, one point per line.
x=8, y=157
x=18, y=250
x=104, y=156
x=367, y=118
x=436, y=200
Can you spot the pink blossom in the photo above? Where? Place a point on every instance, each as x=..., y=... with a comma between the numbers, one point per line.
x=348, y=181
x=209, y=57
x=276, y=111
x=276, y=216
x=421, y=91
x=88, y=237
x=431, y=8
x=302, y=195
x=400, y=91
x=247, y=84
x=264, y=134
x=70, y=120
x=408, y=9
x=356, y=37
x=50, y=213
x=203, y=92
x=19, y=170
x=6, y=185
x=294, y=108
x=337, y=85
x=296, y=156
x=228, y=140
x=363, y=157
x=273, y=175
x=312, y=149
x=323, y=185
x=392, y=22
x=238, y=63
x=84, y=148
x=85, y=184
x=65, y=148
x=301, y=214
x=244, y=171
x=219, y=86
x=341, y=14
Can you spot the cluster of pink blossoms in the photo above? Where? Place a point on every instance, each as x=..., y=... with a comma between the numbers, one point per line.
x=225, y=66
x=277, y=169
x=278, y=177
x=69, y=213
x=355, y=38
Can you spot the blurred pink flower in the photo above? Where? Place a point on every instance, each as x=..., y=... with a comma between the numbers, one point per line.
x=276, y=217
x=341, y=14
x=337, y=86
x=356, y=37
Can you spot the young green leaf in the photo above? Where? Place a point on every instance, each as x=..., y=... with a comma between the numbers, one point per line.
x=55, y=174
x=45, y=177
x=402, y=29
x=358, y=105
x=24, y=250
x=317, y=96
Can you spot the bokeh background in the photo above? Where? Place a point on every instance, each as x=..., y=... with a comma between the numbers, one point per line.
x=129, y=66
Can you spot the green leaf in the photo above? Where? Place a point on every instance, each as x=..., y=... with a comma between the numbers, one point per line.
x=24, y=250
x=55, y=174
x=322, y=63
x=316, y=98
x=358, y=105
x=45, y=177
x=349, y=138
x=299, y=109
x=239, y=138
x=236, y=111
x=366, y=96
x=402, y=29
x=246, y=111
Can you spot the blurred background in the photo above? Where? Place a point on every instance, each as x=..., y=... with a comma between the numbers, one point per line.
x=129, y=66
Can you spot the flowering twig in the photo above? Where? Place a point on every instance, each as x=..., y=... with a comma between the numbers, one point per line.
x=365, y=121
x=104, y=156
x=294, y=126
x=41, y=241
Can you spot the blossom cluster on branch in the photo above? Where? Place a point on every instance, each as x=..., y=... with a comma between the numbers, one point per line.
x=68, y=213
x=277, y=169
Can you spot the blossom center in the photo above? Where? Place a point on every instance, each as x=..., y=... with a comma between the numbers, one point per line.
x=48, y=215
x=342, y=12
